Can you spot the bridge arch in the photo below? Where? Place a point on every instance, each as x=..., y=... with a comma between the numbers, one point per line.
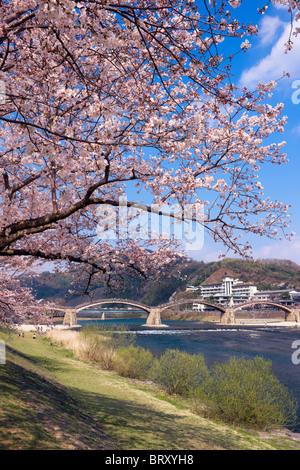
x=56, y=309
x=154, y=313
x=132, y=303
x=175, y=303
x=70, y=317
x=287, y=310
x=227, y=314
x=220, y=308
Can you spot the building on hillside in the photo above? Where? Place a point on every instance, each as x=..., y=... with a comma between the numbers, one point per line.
x=229, y=292
x=192, y=288
x=232, y=292
x=286, y=296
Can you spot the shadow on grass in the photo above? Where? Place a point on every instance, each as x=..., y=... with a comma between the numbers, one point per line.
x=50, y=364
x=41, y=414
x=53, y=416
x=139, y=427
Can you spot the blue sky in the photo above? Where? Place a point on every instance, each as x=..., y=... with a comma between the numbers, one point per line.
x=264, y=61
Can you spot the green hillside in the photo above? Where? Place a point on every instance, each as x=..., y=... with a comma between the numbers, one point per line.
x=266, y=274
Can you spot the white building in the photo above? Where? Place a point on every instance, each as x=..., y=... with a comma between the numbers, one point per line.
x=275, y=295
x=230, y=292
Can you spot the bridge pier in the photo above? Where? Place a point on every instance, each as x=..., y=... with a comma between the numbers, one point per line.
x=294, y=315
x=70, y=318
x=228, y=317
x=154, y=318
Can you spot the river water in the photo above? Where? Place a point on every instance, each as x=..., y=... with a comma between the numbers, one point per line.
x=218, y=343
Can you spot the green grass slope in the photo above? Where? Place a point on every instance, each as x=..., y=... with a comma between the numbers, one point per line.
x=49, y=400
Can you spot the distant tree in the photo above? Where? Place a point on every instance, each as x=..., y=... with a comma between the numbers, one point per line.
x=285, y=296
x=17, y=303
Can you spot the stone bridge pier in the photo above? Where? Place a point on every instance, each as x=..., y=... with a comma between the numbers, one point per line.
x=154, y=318
x=294, y=315
x=228, y=317
x=70, y=318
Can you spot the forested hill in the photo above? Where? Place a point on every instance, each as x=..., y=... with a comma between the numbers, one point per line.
x=266, y=274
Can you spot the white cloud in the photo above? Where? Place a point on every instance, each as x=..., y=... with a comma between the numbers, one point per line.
x=296, y=130
x=272, y=66
x=206, y=254
x=279, y=6
x=283, y=249
x=269, y=29
x=280, y=249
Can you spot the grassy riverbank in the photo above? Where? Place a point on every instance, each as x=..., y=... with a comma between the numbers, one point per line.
x=50, y=400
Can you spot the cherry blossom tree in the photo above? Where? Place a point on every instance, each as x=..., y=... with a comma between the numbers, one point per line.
x=17, y=303
x=293, y=9
x=104, y=99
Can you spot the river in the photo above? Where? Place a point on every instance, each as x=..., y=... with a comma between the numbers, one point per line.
x=219, y=343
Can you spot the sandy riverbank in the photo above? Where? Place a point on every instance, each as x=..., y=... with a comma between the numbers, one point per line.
x=254, y=322
x=269, y=322
x=44, y=328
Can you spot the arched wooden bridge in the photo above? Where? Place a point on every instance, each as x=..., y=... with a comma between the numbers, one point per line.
x=227, y=314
